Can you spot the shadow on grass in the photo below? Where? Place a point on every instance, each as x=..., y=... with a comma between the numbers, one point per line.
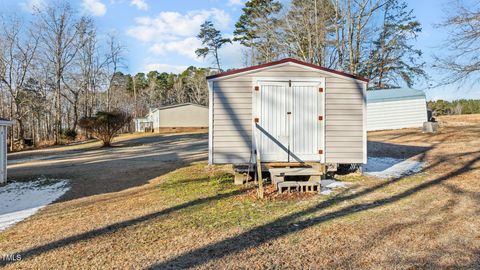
x=120, y=225
x=382, y=149
x=284, y=226
x=264, y=233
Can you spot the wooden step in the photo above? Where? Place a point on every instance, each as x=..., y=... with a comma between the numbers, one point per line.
x=277, y=175
x=295, y=172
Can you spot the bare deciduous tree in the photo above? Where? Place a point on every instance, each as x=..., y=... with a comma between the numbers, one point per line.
x=53, y=71
x=113, y=61
x=17, y=56
x=307, y=26
x=59, y=29
x=463, y=26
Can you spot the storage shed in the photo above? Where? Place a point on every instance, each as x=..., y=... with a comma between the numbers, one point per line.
x=290, y=111
x=3, y=148
x=396, y=108
x=187, y=115
x=143, y=124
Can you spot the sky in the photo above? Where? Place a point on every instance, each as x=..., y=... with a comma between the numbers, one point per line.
x=161, y=34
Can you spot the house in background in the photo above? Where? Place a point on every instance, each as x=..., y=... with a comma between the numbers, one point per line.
x=396, y=108
x=4, y=124
x=290, y=111
x=174, y=117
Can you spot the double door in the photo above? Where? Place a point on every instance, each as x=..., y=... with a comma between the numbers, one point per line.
x=289, y=124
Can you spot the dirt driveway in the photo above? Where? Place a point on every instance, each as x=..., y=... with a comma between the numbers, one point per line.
x=133, y=161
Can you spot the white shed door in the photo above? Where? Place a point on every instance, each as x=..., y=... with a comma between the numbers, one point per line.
x=305, y=124
x=289, y=128
x=272, y=128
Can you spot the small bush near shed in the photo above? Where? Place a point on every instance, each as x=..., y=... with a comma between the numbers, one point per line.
x=70, y=134
x=105, y=125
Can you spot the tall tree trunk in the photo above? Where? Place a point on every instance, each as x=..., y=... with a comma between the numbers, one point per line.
x=217, y=60
x=58, y=111
x=21, y=133
x=75, y=112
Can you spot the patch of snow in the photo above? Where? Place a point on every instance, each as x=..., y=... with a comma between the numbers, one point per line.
x=326, y=191
x=387, y=167
x=328, y=185
x=19, y=200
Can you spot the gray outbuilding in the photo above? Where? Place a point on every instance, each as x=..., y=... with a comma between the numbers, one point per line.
x=186, y=115
x=290, y=111
x=395, y=109
x=4, y=124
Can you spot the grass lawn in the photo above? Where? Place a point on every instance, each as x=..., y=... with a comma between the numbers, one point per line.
x=196, y=217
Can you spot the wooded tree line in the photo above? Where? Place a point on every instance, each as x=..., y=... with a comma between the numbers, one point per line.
x=371, y=38
x=53, y=70
x=56, y=69
x=156, y=89
x=462, y=106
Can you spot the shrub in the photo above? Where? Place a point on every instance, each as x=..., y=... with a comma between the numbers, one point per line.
x=70, y=134
x=105, y=125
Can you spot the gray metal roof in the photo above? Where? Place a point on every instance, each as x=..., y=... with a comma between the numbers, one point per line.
x=394, y=94
x=174, y=106
x=180, y=105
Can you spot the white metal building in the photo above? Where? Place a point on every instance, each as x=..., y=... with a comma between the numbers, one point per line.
x=143, y=124
x=3, y=148
x=396, y=108
x=187, y=115
x=290, y=111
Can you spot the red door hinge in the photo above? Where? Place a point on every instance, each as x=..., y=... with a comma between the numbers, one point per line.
x=257, y=88
x=320, y=89
x=320, y=118
x=320, y=152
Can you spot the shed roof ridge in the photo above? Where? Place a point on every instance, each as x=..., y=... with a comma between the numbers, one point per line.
x=282, y=61
x=177, y=105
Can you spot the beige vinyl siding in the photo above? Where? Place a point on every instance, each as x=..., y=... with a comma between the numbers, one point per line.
x=344, y=121
x=232, y=126
x=232, y=115
x=181, y=116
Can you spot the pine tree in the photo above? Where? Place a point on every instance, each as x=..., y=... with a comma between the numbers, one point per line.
x=257, y=29
x=212, y=40
x=394, y=59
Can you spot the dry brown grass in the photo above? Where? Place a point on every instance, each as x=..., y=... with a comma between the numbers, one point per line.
x=459, y=120
x=195, y=217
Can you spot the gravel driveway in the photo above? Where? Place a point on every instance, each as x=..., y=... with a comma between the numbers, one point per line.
x=131, y=162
